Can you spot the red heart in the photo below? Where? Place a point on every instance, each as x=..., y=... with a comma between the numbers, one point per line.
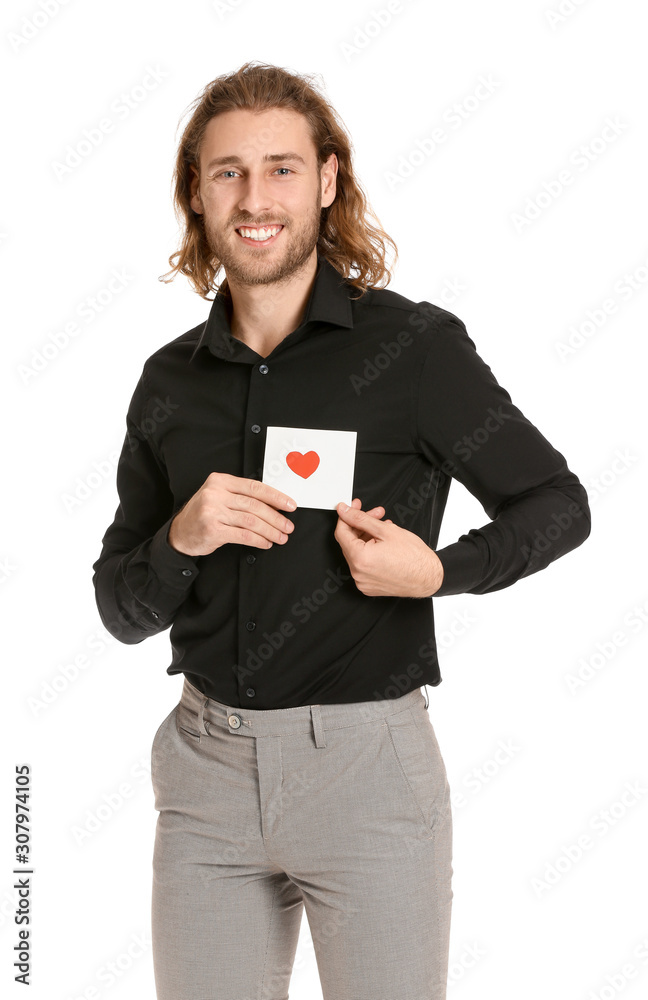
x=303, y=465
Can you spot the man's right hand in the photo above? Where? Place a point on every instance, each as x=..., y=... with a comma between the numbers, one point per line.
x=230, y=509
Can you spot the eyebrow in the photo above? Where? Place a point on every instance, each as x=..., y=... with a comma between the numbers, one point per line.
x=220, y=161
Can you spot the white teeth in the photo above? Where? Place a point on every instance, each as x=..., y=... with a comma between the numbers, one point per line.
x=260, y=234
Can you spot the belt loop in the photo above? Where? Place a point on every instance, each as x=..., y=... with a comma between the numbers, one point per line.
x=202, y=725
x=316, y=716
x=427, y=700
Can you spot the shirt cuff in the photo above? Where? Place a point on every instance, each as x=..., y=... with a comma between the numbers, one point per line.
x=173, y=569
x=463, y=568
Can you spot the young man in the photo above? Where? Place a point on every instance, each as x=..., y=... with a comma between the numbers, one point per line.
x=300, y=768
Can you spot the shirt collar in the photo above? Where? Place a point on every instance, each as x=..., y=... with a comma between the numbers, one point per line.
x=329, y=302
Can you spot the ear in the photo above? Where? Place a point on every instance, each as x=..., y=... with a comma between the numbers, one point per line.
x=329, y=180
x=194, y=186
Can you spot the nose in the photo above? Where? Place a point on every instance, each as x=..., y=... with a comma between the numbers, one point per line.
x=255, y=197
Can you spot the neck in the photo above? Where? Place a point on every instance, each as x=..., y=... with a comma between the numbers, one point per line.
x=262, y=315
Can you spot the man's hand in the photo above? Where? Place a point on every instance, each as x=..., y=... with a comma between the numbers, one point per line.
x=230, y=509
x=385, y=560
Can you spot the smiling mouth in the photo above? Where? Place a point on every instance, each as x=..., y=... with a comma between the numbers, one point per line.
x=261, y=236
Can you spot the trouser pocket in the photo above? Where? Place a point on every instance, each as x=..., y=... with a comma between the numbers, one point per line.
x=420, y=764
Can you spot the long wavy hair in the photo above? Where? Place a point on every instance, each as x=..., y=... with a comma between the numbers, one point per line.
x=346, y=238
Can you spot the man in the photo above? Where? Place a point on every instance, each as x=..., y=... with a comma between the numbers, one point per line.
x=300, y=768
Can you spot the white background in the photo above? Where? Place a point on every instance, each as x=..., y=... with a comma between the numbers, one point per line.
x=525, y=288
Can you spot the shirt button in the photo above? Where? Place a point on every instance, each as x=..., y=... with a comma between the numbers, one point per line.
x=264, y=369
x=250, y=558
x=186, y=572
x=235, y=721
x=155, y=614
x=250, y=692
x=250, y=626
x=255, y=428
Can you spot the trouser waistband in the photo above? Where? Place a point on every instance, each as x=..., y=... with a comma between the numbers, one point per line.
x=290, y=721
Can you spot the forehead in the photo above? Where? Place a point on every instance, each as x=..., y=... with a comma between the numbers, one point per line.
x=250, y=135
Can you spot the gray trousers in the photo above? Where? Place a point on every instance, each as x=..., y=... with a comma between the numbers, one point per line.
x=342, y=810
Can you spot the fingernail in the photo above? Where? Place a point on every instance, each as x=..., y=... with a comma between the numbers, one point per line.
x=343, y=507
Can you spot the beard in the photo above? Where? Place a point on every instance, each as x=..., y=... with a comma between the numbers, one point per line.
x=247, y=266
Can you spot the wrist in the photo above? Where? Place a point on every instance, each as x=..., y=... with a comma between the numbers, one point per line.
x=436, y=574
x=172, y=538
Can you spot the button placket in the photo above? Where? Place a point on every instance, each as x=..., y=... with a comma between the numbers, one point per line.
x=259, y=387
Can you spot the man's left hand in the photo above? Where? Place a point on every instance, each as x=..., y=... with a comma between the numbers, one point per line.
x=385, y=560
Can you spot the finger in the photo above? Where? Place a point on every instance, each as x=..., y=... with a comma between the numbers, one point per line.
x=263, y=493
x=346, y=535
x=356, y=503
x=258, y=516
x=361, y=521
x=246, y=525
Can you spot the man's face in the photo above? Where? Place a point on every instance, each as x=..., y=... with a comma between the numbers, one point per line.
x=265, y=174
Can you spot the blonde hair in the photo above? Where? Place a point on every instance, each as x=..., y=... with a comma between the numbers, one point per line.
x=346, y=239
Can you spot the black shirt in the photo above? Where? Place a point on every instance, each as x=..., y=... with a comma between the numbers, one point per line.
x=287, y=626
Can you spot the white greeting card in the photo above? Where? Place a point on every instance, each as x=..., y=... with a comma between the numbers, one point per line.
x=315, y=467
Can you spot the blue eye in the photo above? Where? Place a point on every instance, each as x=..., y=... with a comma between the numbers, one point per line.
x=287, y=170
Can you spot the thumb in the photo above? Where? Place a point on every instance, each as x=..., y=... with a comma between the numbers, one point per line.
x=360, y=520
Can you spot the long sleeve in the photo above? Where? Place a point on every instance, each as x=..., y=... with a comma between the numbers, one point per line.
x=140, y=580
x=468, y=426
